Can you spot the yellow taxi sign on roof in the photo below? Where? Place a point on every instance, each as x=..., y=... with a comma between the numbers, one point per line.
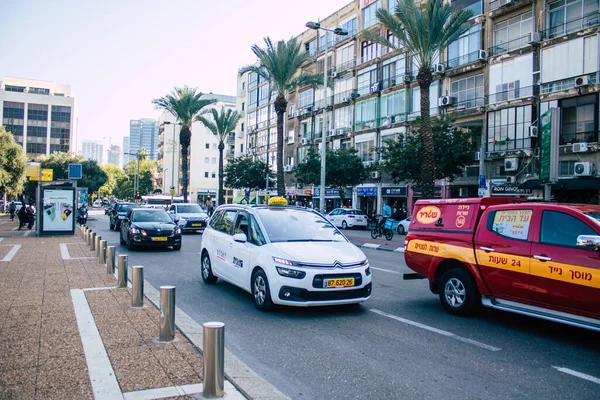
x=278, y=201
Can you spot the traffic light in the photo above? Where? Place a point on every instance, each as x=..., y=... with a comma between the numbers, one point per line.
x=137, y=195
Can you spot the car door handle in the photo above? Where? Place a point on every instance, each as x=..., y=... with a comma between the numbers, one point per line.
x=542, y=258
x=487, y=249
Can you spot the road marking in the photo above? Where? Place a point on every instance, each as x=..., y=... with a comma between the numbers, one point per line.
x=371, y=245
x=578, y=374
x=400, y=250
x=64, y=252
x=27, y=233
x=9, y=256
x=15, y=228
x=436, y=330
x=385, y=270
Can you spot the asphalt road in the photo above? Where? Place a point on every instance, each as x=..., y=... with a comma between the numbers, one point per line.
x=398, y=344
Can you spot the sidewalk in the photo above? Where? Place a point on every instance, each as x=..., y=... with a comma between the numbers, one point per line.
x=66, y=332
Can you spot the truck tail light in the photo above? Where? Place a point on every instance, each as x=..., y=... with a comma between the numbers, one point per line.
x=407, y=239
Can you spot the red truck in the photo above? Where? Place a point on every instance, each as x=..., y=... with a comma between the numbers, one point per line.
x=537, y=259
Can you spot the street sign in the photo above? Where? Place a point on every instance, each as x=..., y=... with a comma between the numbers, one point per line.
x=47, y=175
x=75, y=171
x=33, y=169
x=172, y=192
x=482, y=182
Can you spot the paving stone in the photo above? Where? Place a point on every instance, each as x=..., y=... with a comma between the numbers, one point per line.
x=64, y=375
x=18, y=376
x=67, y=345
x=136, y=369
x=26, y=315
x=18, y=392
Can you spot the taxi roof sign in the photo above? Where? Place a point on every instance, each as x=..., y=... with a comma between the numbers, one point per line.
x=278, y=201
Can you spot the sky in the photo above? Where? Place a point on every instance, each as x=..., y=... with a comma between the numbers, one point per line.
x=119, y=55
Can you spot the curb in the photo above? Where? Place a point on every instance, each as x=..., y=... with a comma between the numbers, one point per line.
x=382, y=247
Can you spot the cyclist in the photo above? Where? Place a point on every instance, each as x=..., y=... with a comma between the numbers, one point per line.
x=386, y=212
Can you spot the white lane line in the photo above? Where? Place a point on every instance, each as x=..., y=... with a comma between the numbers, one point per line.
x=385, y=270
x=9, y=256
x=578, y=374
x=102, y=376
x=436, y=330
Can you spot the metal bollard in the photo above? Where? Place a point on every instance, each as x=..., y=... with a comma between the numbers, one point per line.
x=88, y=232
x=102, y=252
x=110, y=259
x=85, y=233
x=137, y=285
x=214, y=359
x=98, y=239
x=122, y=260
x=93, y=242
x=167, y=313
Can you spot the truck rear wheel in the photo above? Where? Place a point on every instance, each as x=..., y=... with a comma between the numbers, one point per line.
x=458, y=292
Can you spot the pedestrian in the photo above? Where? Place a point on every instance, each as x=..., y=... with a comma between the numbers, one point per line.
x=30, y=217
x=209, y=208
x=22, y=215
x=12, y=208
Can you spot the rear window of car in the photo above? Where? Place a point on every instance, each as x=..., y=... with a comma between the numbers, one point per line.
x=125, y=207
x=356, y=212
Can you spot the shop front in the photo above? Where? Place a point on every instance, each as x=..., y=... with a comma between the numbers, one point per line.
x=366, y=199
x=303, y=197
x=396, y=197
x=415, y=193
x=203, y=195
x=332, y=199
x=510, y=190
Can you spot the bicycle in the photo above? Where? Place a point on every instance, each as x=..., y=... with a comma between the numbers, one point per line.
x=386, y=230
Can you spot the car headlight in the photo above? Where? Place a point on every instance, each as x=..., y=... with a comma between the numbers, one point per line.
x=283, y=261
x=143, y=232
x=290, y=273
x=133, y=229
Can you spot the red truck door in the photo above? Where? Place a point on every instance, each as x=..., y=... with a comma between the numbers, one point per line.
x=565, y=277
x=502, y=248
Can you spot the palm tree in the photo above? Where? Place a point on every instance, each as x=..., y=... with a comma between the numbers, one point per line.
x=184, y=103
x=221, y=124
x=281, y=65
x=426, y=30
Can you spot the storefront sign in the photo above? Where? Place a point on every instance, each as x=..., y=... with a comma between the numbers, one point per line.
x=397, y=191
x=418, y=193
x=328, y=192
x=503, y=190
x=308, y=192
x=366, y=191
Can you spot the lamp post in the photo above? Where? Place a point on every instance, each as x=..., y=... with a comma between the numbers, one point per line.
x=340, y=32
x=172, y=188
x=136, y=182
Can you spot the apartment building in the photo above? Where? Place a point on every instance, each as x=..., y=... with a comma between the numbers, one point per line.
x=519, y=59
x=143, y=134
x=93, y=151
x=40, y=115
x=114, y=155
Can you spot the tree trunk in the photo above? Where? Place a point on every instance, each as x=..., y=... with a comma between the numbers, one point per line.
x=427, y=154
x=220, y=197
x=280, y=108
x=185, y=136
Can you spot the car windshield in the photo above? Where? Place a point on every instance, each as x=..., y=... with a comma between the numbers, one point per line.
x=594, y=215
x=151, y=216
x=293, y=225
x=125, y=207
x=189, y=209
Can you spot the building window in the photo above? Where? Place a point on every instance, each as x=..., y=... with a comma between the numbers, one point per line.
x=306, y=98
x=369, y=51
x=214, y=146
x=511, y=79
x=512, y=34
x=569, y=16
x=367, y=78
x=206, y=174
x=476, y=6
x=366, y=150
x=366, y=114
x=13, y=113
x=393, y=108
x=578, y=120
x=392, y=4
x=343, y=120
x=325, y=40
x=350, y=27
x=252, y=80
x=253, y=99
x=434, y=94
x=208, y=145
x=582, y=56
x=243, y=106
x=466, y=48
x=43, y=91
x=263, y=95
x=345, y=58
x=243, y=85
x=206, y=160
x=213, y=175
x=468, y=92
x=37, y=112
x=242, y=127
x=393, y=71
x=214, y=160
x=508, y=129
x=19, y=89
x=369, y=14
x=311, y=47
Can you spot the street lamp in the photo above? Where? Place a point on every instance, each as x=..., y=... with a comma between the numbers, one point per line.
x=172, y=188
x=340, y=32
x=136, y=183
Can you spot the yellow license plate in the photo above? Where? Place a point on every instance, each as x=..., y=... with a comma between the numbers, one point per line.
x=159, y=239
x=196, y=224
x=335, y=283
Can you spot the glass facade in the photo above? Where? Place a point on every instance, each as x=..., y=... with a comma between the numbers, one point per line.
x=143, y=134
x=60, y=128
x=508, y=129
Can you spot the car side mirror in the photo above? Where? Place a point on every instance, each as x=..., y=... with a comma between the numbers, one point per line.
x=240, y=238
x=589, y=242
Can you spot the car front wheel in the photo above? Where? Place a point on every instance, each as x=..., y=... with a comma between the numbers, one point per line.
x=130, y=246
x=401, y=230
x=344, y=225
x=261, y=291
x=207, y=275
x=458, y=292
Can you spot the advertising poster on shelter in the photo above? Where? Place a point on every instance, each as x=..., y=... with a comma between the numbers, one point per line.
x=58, y=210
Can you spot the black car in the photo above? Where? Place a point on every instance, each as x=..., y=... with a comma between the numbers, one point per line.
x=150, y=228
x=117, y=214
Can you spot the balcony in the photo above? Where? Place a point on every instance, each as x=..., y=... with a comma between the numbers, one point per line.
x=346, y=66
x=343, y=97
x=511, y=45
x=467, y=104
x=573, y=25
x=231, y=138
x=324, y=103
x=570, y=135
x=566, y=84
x=364, y=125
x=388, y=120
x=511, y=94
x=478, y=55
x=230, y=153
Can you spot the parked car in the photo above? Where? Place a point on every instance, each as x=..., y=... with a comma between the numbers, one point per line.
x=348, y=218
x=149, y=227
x=402, y=227
x=536, y=259
x=284, y=255
x=118, y=213
x=191, y=216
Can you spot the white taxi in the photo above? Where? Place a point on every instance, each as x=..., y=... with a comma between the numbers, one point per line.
x=283, y=255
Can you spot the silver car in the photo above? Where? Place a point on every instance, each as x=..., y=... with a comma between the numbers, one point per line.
x=191, y=216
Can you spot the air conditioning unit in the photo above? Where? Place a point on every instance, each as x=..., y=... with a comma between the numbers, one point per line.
x=303, y=141
x=585, y=168
x=535, y=37
x=345, y=99
x=483, y=55
x=438, y=68
x=511, y=179
x=333, y=74
x=580, y=147
x=533, y=131
x=511, y=164
x=287, y=168
x=407, y=78
x=354, y=94
x=477, y=156
x=582, y=81
x=444, y=101
x=375, y=175
x=331, y=132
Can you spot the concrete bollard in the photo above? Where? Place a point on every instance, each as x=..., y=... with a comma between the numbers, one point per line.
x=122, y=266
x=137, y=285
x=167, y=313
x=98, y=239
x=102, y=252
x=110, y=260
x=93, y=242
x=214, y=359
